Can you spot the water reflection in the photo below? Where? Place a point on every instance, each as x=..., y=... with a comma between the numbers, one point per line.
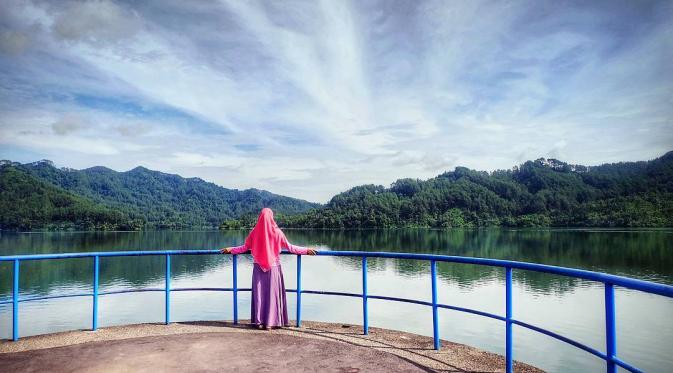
x=640, y=254
x=570, y=306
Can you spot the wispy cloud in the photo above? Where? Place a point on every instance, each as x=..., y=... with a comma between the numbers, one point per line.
x=309, y=98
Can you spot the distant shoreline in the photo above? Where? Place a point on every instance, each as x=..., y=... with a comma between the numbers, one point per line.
x=587, y=229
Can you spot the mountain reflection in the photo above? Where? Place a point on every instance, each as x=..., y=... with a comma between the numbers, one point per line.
x=642, y=254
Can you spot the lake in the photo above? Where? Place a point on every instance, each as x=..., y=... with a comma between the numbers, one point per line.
x=568, y=306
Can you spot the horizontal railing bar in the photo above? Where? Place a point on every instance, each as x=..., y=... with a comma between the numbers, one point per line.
x=172, y=290
x=129, y=291
x=48, y=297
x=330, y=293
x=472, y=311
x=108, y=254
x=645, y=286
x=55, y=297
x=626, y=365
x=586, y=348
x=381, y=297
x=123, y=292
x=202, y=289
x=405, y=300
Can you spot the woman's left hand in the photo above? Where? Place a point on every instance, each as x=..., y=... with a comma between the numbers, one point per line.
x=311, y=252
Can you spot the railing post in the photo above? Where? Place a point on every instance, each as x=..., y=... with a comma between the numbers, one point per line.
x=235, y=289
x=509, y=367
x=610, y=328
x=94, y=321
x=298, y=291
x=168, y=289
x=365, y=311
x=435, y=316
x=15, y=302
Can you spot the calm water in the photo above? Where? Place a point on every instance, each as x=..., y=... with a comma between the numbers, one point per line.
x=568, y=306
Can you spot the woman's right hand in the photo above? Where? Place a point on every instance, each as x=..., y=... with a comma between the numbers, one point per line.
x=226, y=250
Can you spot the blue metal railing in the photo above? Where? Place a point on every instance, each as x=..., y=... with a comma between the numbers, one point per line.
x=609, y=281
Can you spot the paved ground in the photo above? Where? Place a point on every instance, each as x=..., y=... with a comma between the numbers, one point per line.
x=219, y=346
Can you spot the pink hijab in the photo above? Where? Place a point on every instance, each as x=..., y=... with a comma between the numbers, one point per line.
x=265, y=240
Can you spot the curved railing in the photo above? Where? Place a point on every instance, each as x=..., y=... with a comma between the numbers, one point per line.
x=609, y=281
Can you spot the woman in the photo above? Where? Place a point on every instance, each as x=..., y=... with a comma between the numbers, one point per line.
x=269, y=306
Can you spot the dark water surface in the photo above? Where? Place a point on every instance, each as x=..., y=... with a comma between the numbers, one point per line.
x=571, y=307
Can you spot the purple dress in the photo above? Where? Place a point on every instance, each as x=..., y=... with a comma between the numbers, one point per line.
x=269, y=304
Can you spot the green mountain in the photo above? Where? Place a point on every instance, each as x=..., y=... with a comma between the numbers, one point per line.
x=148, y=198
x=28, y=203
x=544, y=192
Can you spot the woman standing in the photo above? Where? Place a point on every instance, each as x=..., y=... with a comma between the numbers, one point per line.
x=268, y=306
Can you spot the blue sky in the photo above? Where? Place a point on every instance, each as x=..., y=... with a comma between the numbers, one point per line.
x=309, y=98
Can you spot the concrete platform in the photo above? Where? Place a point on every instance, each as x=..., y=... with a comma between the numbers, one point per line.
x=221, y=346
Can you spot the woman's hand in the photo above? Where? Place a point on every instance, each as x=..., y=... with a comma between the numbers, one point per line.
x=311, y=252
x=226, y=250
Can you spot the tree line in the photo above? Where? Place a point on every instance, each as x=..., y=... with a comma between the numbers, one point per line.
x=539, y=193
x=40, y=196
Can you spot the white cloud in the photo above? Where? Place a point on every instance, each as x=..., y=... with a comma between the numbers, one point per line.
x=311, y=98
x=182, y=159
x=96, y=21
x=67, y=124
x=12, y=42
x=74, y=144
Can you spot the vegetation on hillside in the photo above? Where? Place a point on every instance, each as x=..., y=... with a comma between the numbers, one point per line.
x=140, y=197
x=540, y=193
x=27, y=203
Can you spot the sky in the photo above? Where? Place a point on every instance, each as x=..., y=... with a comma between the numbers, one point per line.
x=310, y=98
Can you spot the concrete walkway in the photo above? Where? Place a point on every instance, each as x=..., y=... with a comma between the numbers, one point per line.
x=220, y=346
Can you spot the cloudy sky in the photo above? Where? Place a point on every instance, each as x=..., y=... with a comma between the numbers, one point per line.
x=309, y=98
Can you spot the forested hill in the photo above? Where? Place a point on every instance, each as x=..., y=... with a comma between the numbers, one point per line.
x=544, y=192
x=140, y=198
x=27, y=203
